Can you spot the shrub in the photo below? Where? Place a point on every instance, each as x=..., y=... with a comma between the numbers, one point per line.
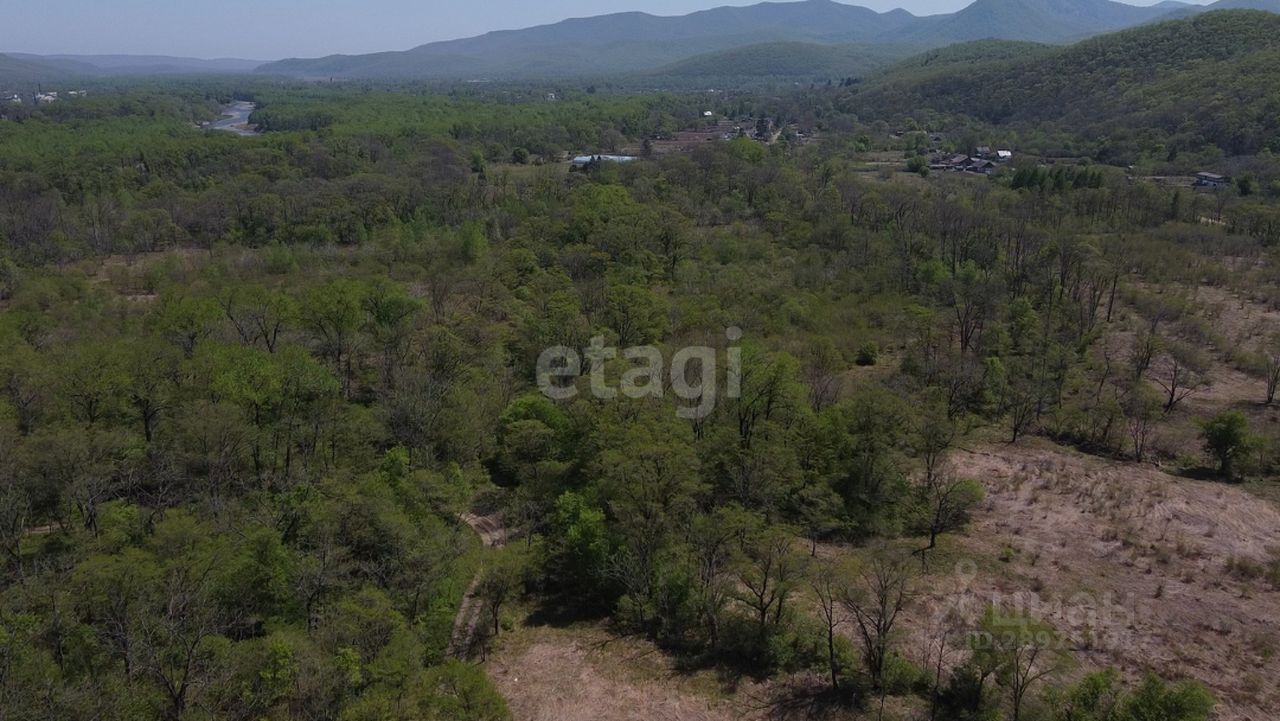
x=868, y=354
x=1226, y=438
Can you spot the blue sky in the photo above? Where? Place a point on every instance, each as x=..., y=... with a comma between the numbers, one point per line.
x=271, y=29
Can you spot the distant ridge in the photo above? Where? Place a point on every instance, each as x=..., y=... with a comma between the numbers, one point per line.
x=26, y=67
x=1209, y=79
x=144, y=64
x=806, y=39
x=642, y=43
x=788, y=60
x=15, y=70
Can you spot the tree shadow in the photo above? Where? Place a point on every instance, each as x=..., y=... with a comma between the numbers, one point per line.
x=805, y=698
x=1203, y=473
x=561, y=612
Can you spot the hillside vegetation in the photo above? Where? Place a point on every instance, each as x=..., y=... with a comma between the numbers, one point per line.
x=1206, y=80
x=795, y=60
x=388, y=411
x=638, y=42
x=14, y=70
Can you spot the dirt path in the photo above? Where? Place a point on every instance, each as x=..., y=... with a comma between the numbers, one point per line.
x=493, y=534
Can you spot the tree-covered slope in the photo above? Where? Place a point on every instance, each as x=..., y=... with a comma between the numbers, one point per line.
x=124, y=65
x=638, y=42
x=788, y=60
x=1209, y=79
x=14, y=70
x=622, y=42
x=1037, y=20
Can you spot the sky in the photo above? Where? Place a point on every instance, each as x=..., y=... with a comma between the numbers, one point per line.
x=273, y=29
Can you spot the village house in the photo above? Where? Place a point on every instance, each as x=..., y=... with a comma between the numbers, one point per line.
x=1212, y=180
x=950, y=162
x=982, y=161
x=583, y=161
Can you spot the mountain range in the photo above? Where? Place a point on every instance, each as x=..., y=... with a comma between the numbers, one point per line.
x=26, y=67
x=812, y=38
x=642, y=43
x=1205, y=80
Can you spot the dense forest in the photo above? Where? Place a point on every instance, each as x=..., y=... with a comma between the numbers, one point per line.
x=255, y=392
x=1191, y=83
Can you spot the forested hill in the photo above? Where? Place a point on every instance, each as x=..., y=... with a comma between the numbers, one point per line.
x=25, y=68
x=638, y=42
x=140, y=65
x=1206, y=80
x=15, y=70
x=617, y=43
x=1038, y=20
x=789, y=60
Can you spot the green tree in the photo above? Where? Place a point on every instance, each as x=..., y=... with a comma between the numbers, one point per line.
x=578, y=546
x=458, y=691
x=333, y=314
x=1226, y=437
x=185, y=320
x=1020, y=652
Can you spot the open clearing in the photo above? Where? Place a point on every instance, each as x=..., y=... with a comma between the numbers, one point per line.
x=1132, y=565
x=1129, y=562
x=583, y=673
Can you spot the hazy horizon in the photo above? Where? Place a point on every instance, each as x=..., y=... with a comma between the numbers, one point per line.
x=312, y=28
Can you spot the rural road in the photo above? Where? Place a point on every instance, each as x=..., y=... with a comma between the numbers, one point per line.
x=493, y=534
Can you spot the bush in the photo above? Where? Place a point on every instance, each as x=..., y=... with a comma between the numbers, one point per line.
x=788, y=647
x=868, y=354
x=461, y=692
x=966, y=697
x=1226, y=438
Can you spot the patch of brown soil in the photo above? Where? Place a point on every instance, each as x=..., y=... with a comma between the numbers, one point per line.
x=1242, y=321
x=585, y=675
x=1131, y=564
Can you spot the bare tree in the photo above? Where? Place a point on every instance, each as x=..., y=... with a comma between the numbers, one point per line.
x=875, y=604
x=942, y=631
x=768, y=568
x=712, y=555
x=15, y=512
x=1019, y=651
x=175, y=643
x=822, y=374
x=1180, y=374
x=1271, y=367
x=826, y=587
x=1141, y=411
x=945, y=501
x=1146, y=346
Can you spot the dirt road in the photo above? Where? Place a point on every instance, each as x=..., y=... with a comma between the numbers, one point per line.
x=493, y=534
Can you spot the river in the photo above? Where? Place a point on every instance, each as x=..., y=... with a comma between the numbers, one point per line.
x=237, y=119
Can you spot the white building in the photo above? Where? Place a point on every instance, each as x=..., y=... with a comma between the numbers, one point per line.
x=583, y=161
